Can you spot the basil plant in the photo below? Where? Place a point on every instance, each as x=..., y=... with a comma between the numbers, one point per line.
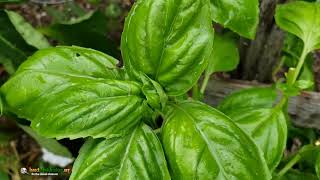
x=74, y=92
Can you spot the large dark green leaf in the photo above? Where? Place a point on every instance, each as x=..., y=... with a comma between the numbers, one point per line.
x=241, y=16
x=13, y=48
x=169, y=40
x=252, y=111
x=136, y=156
x=202, y=143
x=88, y=31
x=301, y=19
x=74, y=92
x=224, y=56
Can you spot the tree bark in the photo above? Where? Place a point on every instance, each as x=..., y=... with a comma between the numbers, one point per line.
x=258, y=57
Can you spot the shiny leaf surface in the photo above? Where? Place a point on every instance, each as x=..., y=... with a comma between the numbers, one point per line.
x=74, y=92
x=138, y=155
x=169, y=41
x=301, y=19
x=241, y=16
x=202, y=143
x=252, y=111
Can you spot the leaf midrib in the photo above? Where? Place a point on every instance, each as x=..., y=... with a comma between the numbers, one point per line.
x=205, y=140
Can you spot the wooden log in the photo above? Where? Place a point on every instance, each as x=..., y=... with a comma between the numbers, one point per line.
x=304, y=109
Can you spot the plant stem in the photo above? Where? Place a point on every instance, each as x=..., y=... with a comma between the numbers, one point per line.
x=205, y=82
x=299, y=66
x=282, y=102
x=289, y=165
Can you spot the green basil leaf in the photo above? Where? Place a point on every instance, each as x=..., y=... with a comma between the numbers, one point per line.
x=136, y=156
x=224, y=56
x=301, y=19
x=74, y=92
x=169, y=41
x=202, y=143
x=292, y=50
x=13, y=48
x=252, y=97
x=303, y=84
x=252, y=111
x=241, y=16
x=29, y=34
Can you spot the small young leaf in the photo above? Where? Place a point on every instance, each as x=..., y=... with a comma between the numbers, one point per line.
x=202, y=143
x=29, y=34
x=224, y=56
x=73, y=92
x=252, y=111
x=138, y=155
x=292, y=50
x=241, y=16
x=303, y=84
x=169, y=41
x=301, y=19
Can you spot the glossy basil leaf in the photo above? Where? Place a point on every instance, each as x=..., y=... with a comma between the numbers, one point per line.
x=202, y=143
x=13, y=48
x=252, y=97
x=138, y=155
x=301, y=19
x=252, y=111
x=72, y=92
x=29, y=34
x=224, y=56
x=169, y=41
x=241, y=16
